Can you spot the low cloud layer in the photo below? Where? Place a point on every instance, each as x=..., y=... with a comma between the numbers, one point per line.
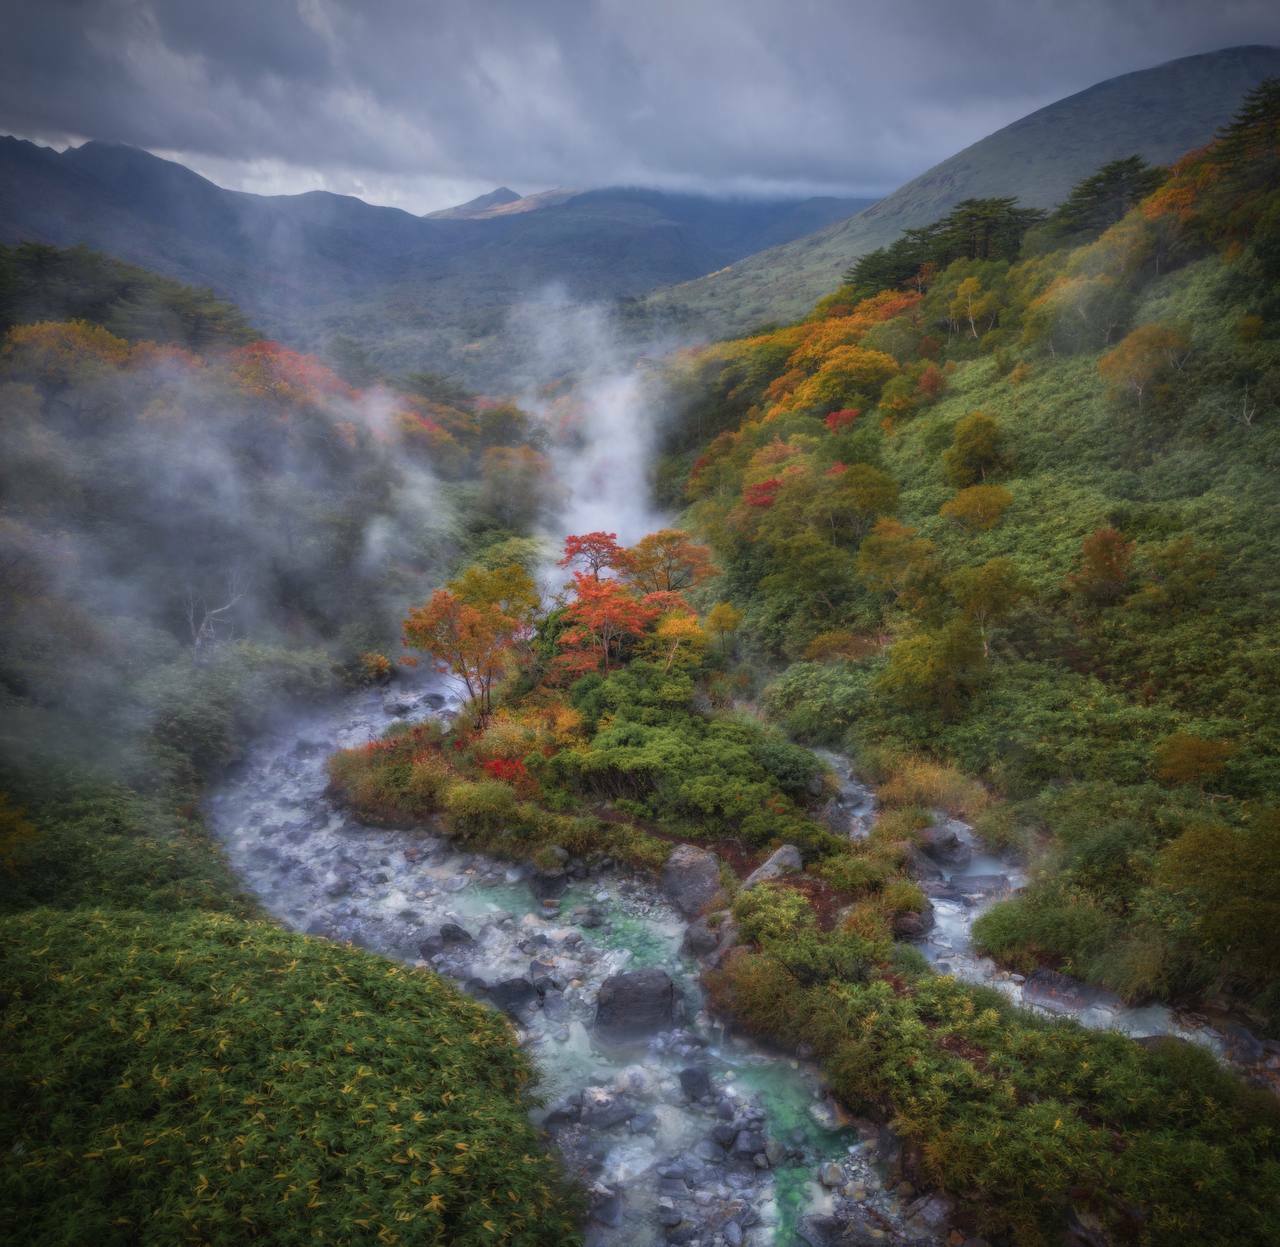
x=423, y=104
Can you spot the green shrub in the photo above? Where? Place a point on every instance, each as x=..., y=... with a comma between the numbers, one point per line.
x=202, y=1078
x=772, y=911
x=485, y=806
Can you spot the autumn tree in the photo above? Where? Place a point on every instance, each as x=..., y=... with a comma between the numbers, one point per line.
x=724, y=619
x=667, y=561
x=894, y=559
x=1106, y=558
x=976, y=450
x=973, y=306
x=1146, y=356
x=979, y=507
x=848, y=499
x=678, y=636
x=593, y=552
x=471, y=627
x=935, y=670
x=987, y=594
x=602, y=616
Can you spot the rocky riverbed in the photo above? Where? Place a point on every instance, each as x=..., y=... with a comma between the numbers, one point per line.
x=680, y=1133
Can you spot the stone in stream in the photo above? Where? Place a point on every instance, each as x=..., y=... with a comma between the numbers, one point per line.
x=605, y=1112
x=691, y=879
x=699, y=938
x=398, y=704
x=909, y=925
x=931, y=1213
x=452, y=933
x=635, y=1002
x=783, y=861
x=512, y=995
x=1063, y=994
x=946, y=841
x=695, y=1082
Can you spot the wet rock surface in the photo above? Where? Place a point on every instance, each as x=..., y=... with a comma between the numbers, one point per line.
x=683, y=1134
x=635, y=1002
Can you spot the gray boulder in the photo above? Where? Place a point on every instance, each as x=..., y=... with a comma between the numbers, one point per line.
x=635, y=1002
x=912, y=926
x=699, y=938
x=783, y=861
x=691, y=879
x=947, y=841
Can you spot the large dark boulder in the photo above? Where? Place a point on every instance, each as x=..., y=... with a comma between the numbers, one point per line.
x=635, y=1002
x=909, y=925
x=512, y=995
x=691, y=879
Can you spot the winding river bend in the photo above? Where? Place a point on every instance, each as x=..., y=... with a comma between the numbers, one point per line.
x=690, y=1135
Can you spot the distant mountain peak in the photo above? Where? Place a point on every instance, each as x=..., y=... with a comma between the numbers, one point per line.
x=478, y=206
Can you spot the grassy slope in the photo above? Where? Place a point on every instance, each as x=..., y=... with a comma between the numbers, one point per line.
x=1158, y=113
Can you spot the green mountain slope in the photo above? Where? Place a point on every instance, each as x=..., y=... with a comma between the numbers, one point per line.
x=1157, y=113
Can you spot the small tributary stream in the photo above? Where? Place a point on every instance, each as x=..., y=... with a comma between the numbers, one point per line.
x=962, y=880
x=690, y=1135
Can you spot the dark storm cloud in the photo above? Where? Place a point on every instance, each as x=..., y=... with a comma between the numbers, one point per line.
x=416, y=101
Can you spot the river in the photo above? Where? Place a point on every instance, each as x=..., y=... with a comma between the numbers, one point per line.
x=691, y=1135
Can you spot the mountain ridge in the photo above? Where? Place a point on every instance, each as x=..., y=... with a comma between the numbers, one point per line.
x=1159, y=113
x=311, y=267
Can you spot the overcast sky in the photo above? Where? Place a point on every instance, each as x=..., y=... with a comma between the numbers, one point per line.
x=424, y=103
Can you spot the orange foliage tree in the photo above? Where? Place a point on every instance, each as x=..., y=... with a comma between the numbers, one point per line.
x=472, y=626
x=1106, y=559
x=667, y=562
x=980, y=506
x=1146, y=356
x=594, y=552
x=603, y=614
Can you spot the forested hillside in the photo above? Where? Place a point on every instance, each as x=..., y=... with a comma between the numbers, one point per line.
x=191, y=541
x=1016, y=513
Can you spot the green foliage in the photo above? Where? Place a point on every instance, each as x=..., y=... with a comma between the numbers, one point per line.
x=1024, y=1118
x=480, y=807
x=39, y=283
x=772, y=912
x=199, y=1077
x=975, y=229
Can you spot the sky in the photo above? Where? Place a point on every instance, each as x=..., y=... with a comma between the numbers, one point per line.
x=426, y=103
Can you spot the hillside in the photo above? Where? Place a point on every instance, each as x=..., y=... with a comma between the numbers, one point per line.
x=414, y=292
x=1157, y=113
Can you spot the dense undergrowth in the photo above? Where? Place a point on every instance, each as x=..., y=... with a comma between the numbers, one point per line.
x=1018, y=514
x=1028, y=1122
